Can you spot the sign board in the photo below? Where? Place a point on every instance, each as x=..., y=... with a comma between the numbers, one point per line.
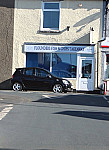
x=105, y=43
x=59, y=48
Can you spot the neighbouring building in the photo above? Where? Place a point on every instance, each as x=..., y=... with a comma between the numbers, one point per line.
x=6, y=41
x=62, y=37
x=105, y=50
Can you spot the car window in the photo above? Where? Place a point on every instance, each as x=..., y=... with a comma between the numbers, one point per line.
x=42, y=73
x=29, y=72
x=19, y=72
x=36, y=72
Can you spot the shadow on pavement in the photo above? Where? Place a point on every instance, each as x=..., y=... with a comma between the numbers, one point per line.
x=86, y=100
x=86, y=114
x=22, y=149
x=8, y=149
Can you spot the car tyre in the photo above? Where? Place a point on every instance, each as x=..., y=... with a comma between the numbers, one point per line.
x=17, y=86
x=57, y=88
x=65, y=91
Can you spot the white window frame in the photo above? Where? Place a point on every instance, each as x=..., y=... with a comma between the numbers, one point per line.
x=49, y=29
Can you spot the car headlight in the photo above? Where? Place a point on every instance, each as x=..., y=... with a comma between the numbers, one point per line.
x=65, y=82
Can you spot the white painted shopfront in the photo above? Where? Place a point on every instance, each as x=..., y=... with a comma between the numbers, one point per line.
x=74, y=62
x=105, y=61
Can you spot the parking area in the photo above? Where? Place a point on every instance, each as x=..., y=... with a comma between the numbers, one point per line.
x=51, y=97
x=47, y=120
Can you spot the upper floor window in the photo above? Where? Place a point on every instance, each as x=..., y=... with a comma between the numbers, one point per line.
x=51, y=15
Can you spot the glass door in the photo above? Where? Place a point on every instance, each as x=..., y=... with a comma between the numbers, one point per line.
x=86, y=74
x=86, y=69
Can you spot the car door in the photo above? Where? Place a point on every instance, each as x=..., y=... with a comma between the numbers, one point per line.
x=43, y=80
x=28, y=78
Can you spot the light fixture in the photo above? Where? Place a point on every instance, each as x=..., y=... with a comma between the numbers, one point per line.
x=68, y=27
x=91, y=29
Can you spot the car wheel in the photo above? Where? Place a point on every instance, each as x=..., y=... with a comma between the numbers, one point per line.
x=65, y=91
x=57, y=88
x=17, y=86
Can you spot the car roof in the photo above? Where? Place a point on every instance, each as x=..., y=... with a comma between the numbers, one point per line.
x=30, y=68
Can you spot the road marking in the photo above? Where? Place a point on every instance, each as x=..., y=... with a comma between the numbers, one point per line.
x=105, y=98
x=5, y=111
x=47, y=96
x=1, y=99
x=51, y=96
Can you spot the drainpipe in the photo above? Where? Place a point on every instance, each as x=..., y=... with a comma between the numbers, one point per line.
x=104, y=38
x=91, y=35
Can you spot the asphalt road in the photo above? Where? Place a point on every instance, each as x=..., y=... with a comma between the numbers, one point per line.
x=37, y=120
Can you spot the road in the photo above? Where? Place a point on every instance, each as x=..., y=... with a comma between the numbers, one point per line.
x=37, y=120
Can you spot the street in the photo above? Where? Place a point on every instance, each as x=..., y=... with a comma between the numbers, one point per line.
x=41, y=120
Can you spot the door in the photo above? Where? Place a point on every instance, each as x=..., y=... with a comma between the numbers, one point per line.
x=86, y=74
x=28, y=78
x=43, y=80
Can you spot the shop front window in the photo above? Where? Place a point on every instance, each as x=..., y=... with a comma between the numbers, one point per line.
x=107, y=66
x=64, y=65
x=41, y=60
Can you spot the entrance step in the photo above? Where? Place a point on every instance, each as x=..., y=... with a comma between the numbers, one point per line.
x=97, y=91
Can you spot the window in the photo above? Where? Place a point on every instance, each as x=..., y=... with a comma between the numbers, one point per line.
x=61, y=65
x=41, y=60
x=107, y=66
x=36, y=72
x=29, y=72
x=86, y=69
x=20, y=71
x=51, y=15
x=64, y=65
x=42, y=73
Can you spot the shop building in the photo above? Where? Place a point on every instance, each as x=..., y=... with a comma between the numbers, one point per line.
x=104, y=45
x=74, y=62
x=60, y=36
x=105, y=61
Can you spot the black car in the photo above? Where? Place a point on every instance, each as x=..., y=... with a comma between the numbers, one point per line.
x=38, y=79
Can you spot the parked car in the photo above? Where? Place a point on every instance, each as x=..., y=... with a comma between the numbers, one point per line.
x=38, y=79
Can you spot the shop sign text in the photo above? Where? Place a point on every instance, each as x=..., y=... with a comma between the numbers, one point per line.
x=50, y=48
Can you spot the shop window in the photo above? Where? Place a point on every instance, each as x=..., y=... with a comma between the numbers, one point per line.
x=41, y=60
x=64, y=65
x=51, y=15
x=107, y=66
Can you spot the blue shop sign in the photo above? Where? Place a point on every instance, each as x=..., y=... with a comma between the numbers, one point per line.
x=58, y=49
